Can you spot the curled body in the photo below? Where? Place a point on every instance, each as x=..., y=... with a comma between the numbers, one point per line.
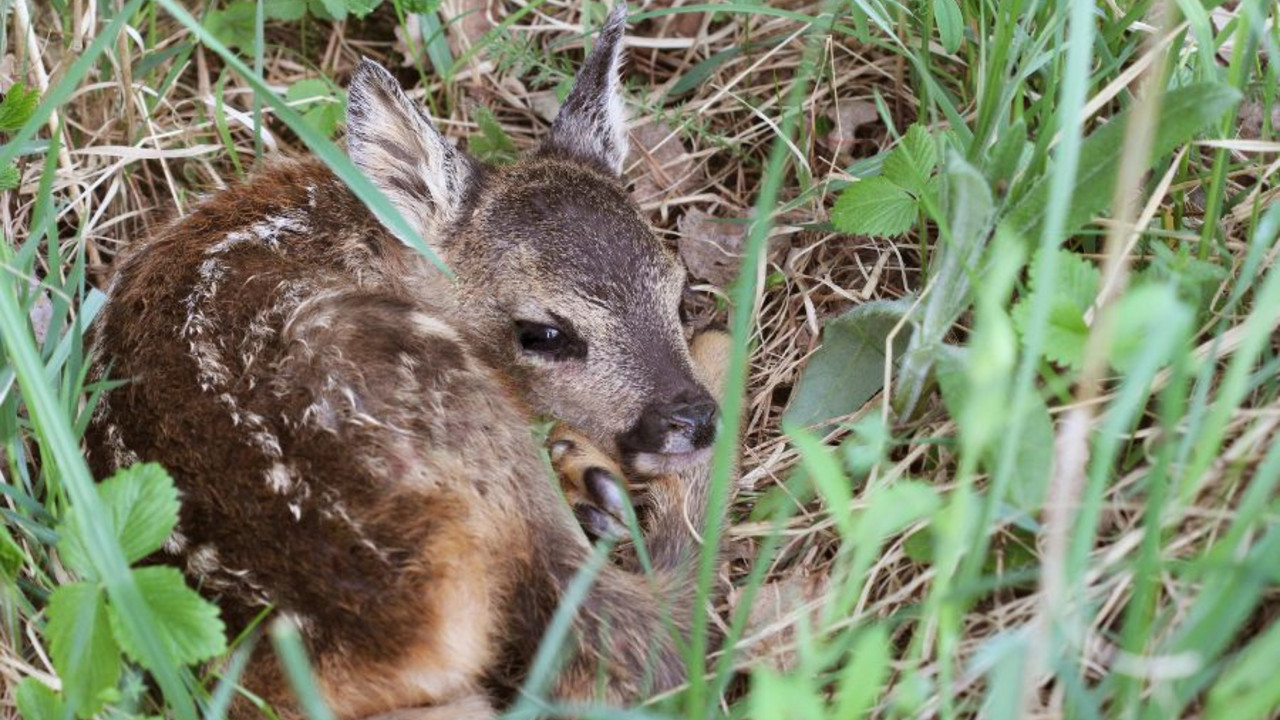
x=350, y=428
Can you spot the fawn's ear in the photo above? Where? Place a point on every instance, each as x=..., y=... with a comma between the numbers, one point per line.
x=394, y=143
x=591, y=125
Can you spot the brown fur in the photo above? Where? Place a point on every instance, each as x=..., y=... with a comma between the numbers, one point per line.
x=350, y=429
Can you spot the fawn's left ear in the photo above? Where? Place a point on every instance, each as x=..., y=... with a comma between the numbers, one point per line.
x=591, y=125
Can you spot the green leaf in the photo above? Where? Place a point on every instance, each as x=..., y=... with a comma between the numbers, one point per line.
x=18, y=106
x=1247, y=688
x=10, y=177
x=360, y=8
x=862, y=679
x=1067, y=333
x=36, y=701
x=950, y=24
x=285, y=10
x=81, y=645
x=874, y=206
x=11, y=556
x=323, y=109
x=188, y=624
x=848, y=370
x=143, y=505
x=1006, y=155
x=233, y=25
x=912, y=162
x=1183, y=113
x=1033, y=458
x=1141, y=312
x=492, y=144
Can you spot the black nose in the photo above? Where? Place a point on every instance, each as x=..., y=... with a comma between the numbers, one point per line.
x=692, y=417
x=684, y=424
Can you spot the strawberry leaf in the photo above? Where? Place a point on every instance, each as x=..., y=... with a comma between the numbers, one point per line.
x=874, y=206
x=189, y=625
x=81, y=645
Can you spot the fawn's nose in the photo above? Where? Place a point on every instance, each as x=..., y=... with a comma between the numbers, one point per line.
x=681, y=425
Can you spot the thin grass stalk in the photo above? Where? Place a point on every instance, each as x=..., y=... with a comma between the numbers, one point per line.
x=743, y=295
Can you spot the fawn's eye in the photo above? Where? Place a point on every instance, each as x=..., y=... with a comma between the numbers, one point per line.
x=541, y=339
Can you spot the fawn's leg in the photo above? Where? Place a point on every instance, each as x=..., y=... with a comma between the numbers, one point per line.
x=625, y=647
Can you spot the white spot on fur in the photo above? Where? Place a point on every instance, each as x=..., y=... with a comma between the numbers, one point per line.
x=203, y=561
x=434, y=326
x=279, y=479
x=304, y=624
x=121, y=456
x=176, y=543
x=267, y=232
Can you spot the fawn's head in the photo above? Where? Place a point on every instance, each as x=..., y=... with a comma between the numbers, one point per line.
x=563, y=285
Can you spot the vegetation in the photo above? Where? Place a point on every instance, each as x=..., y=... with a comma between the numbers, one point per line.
x=1002, y=277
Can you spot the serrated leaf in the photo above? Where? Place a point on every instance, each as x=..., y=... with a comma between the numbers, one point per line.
x=360, y=8
x=946, y=14
x=37, y=701
x=874, y=206
x=81, y=645
x=911, y=163
x=18, y=106
x=234, y=25
x=10, y=177
x=848, y=370
x=321, y=108
x=188, y=625
x=308, y=89
x=1183, y=113
x=143, y=505
x=1067, y=333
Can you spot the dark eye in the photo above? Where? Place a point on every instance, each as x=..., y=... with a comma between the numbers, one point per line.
x=541, y=339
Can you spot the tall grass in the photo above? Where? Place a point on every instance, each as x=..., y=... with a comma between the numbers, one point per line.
x=1064, y=502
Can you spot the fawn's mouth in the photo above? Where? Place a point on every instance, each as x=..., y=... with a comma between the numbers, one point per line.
x=652, y=463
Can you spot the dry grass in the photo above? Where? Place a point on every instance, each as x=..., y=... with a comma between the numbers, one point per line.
x=135, y=154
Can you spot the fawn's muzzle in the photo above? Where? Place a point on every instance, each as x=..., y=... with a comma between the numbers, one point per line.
x=682, y=425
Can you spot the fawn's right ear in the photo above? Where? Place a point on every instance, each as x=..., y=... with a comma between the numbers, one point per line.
x=394, y=143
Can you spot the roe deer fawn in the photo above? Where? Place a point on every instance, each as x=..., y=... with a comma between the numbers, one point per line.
x=350, y=429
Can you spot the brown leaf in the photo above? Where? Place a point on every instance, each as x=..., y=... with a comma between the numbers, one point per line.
x=467, y=22
x=1250, y=119
x=659, y=163
x=775, y=612
x=846, y=117
x=710, y=250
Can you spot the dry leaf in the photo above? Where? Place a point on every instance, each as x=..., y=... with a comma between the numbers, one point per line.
x=659, y=163
x=467, y=22
x=775, y=612
x=846, y=117
x=544, y=103
x=1250, y=119
x=41, y=315
x=710, y=250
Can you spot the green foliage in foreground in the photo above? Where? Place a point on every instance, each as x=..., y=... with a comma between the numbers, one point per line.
x=1099, y=445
